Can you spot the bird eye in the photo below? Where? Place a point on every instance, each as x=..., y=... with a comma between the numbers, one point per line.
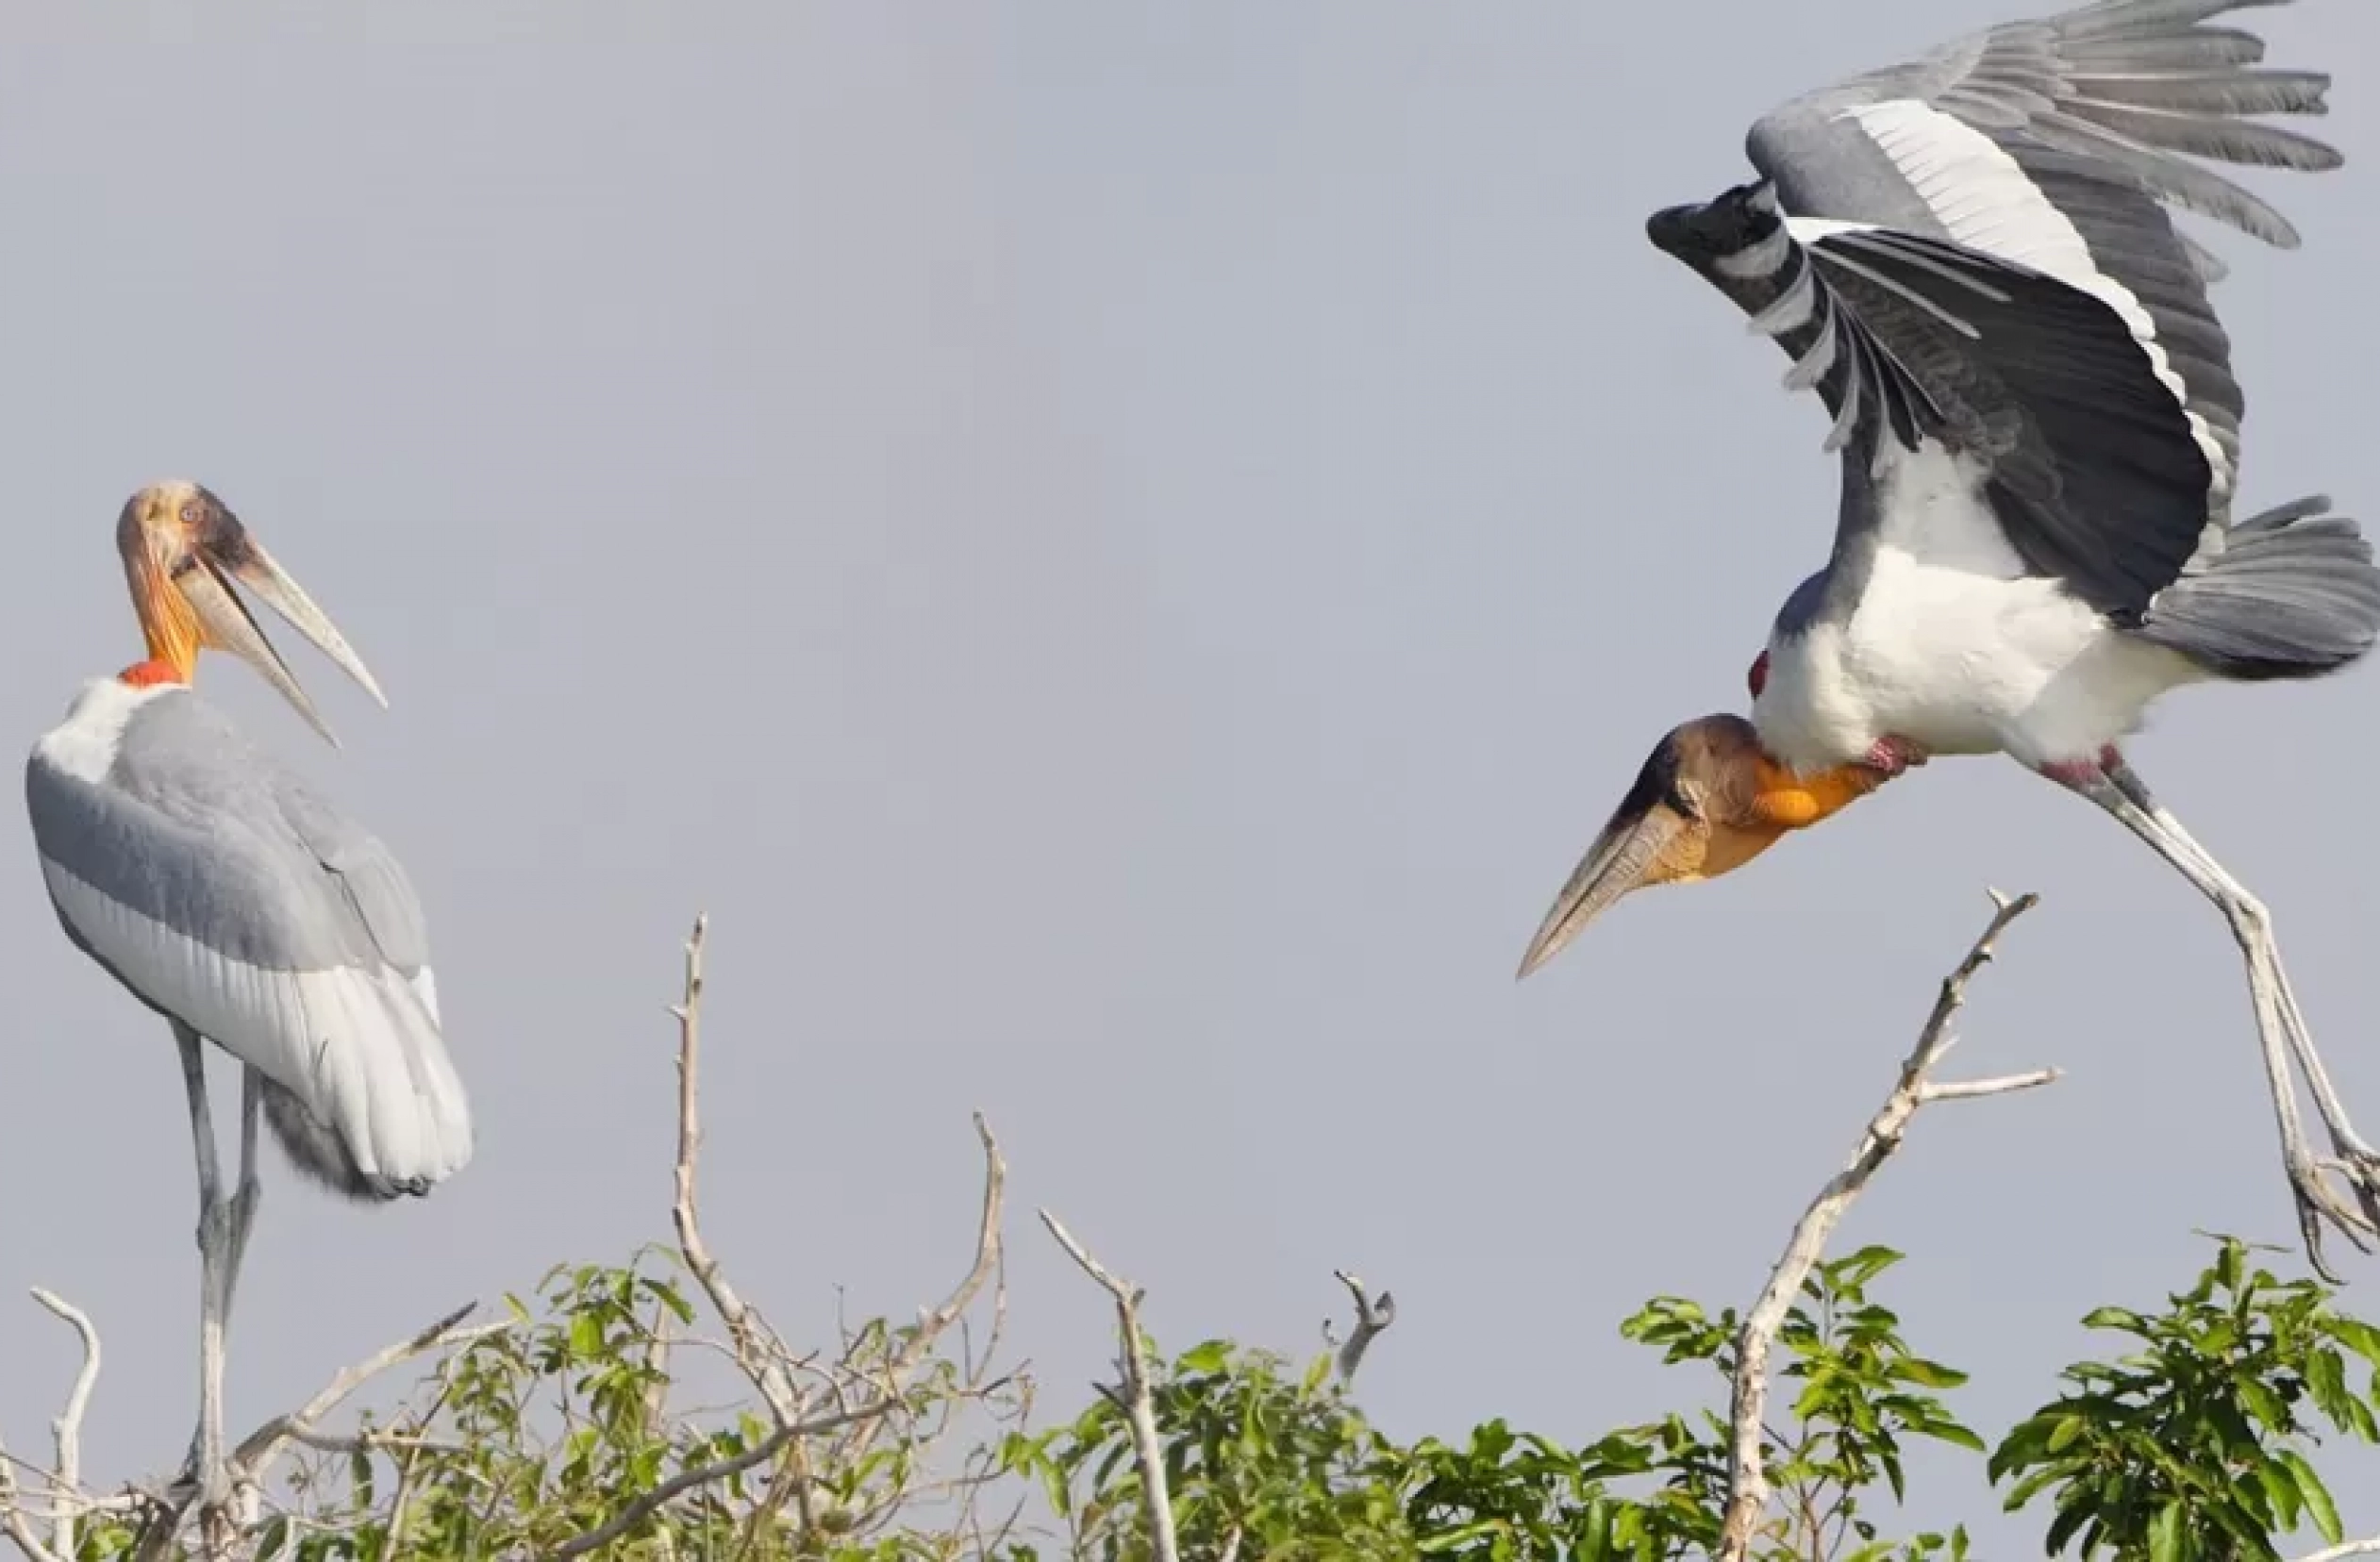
x=190, y=513
x=1757, y=679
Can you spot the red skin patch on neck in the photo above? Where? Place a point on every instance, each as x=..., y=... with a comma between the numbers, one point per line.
x=148, y=673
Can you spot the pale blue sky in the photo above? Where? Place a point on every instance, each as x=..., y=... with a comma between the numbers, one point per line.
x=1120, y=551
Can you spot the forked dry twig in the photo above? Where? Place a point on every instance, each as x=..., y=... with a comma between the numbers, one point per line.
x=1135, y=1398
x=1747, y=1483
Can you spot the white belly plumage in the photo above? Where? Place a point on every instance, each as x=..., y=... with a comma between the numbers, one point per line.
x=1953, y=647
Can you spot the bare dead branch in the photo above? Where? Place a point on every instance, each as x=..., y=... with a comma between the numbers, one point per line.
x=1970, y=1089
x=252, y=1459
x=680, y=1484
x=1373, y=1319
x=933, y=1325
x=1747, y=1483
x=249, y=1464
x=256, y=1453
x=16, y=1522
x=759, y=1350
x=374, y=1442
x=66, y=1431
x=1139, y=1406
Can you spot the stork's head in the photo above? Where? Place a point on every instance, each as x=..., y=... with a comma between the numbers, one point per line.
x=1707, y=801
x=182, y=549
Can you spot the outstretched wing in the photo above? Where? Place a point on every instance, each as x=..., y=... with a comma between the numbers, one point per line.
x=2060, y=145
x=2050, y=404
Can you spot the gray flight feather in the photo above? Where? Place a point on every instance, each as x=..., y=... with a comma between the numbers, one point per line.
x=2101, y=107
x=2089, y=461
x=2289, y=594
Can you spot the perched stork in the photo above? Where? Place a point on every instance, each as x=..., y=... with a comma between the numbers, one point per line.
x=229, y=898
x=1971, y=260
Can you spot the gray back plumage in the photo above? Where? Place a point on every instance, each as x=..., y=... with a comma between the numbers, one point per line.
x=252, y=862
x=224, y=893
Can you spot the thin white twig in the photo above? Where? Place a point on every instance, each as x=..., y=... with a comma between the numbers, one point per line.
x=1971, y=1090
x=1747, y=1483
x=67, y=1429
x=1373, y=1319
x=374, y=1442
x=933, y=1325
x=678, y=1485
x=2368, y=1546
x=1139, y=1406
x=257, y=1450
x=757, y=1349
x=14, y=1522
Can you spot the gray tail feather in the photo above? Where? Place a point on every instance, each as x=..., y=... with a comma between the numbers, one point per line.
x=2293, y=594
x=315, y=1148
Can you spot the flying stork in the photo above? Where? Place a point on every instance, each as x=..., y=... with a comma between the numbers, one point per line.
x=1971, y=259
x=226, y=895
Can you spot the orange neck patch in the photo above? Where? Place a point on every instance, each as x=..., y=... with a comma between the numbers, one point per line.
x=1792, y=802
x=157, y=670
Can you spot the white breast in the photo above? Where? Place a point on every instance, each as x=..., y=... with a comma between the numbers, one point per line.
x=1953, y=647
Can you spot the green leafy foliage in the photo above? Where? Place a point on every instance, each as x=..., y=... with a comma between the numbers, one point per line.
x=2193, y=1443
x=1285, y=1470
x=1274, y=1463
x=2197, y=1442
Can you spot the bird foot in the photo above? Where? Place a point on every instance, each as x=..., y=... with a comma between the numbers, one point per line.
x=2359, y=1164
x=204, y=1482
x=1892, y=754
x=2082, y=774
x=2317, y=1201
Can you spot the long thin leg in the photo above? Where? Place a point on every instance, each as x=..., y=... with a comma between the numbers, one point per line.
x=244, y=1200
x=2277, y=1043
x=206, y=1449
x=2358, y=1160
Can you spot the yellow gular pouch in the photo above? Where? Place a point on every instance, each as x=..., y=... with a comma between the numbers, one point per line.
x=1790, y=802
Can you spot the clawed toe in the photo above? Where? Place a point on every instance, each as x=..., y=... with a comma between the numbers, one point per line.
x=2317, y=1201
x=2361, y=1168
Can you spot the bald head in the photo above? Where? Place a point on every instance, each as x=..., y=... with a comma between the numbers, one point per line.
x=1707, y=800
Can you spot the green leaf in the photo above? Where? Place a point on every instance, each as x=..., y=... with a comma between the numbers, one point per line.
x=2115, y=1318
x=1950, y=1431
x=2282, y=1500
x=2359, y=1336
x=1856, y=1270
x=2264, y=1404
x=2165, y=1533
x=1926, y=1374
x=1211, y=1357
x=2326, y=1375
x=667, y=1295
x=2317, y=1495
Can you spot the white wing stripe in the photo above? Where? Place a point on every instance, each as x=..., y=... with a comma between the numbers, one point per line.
x=1983, y=199
x=359, y=1048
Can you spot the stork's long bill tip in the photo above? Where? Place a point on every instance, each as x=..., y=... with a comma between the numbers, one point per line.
x=1707, y=800
x=183, y=549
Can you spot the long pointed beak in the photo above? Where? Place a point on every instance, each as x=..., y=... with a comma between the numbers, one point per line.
x=231, y=627
x=1631, y=847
